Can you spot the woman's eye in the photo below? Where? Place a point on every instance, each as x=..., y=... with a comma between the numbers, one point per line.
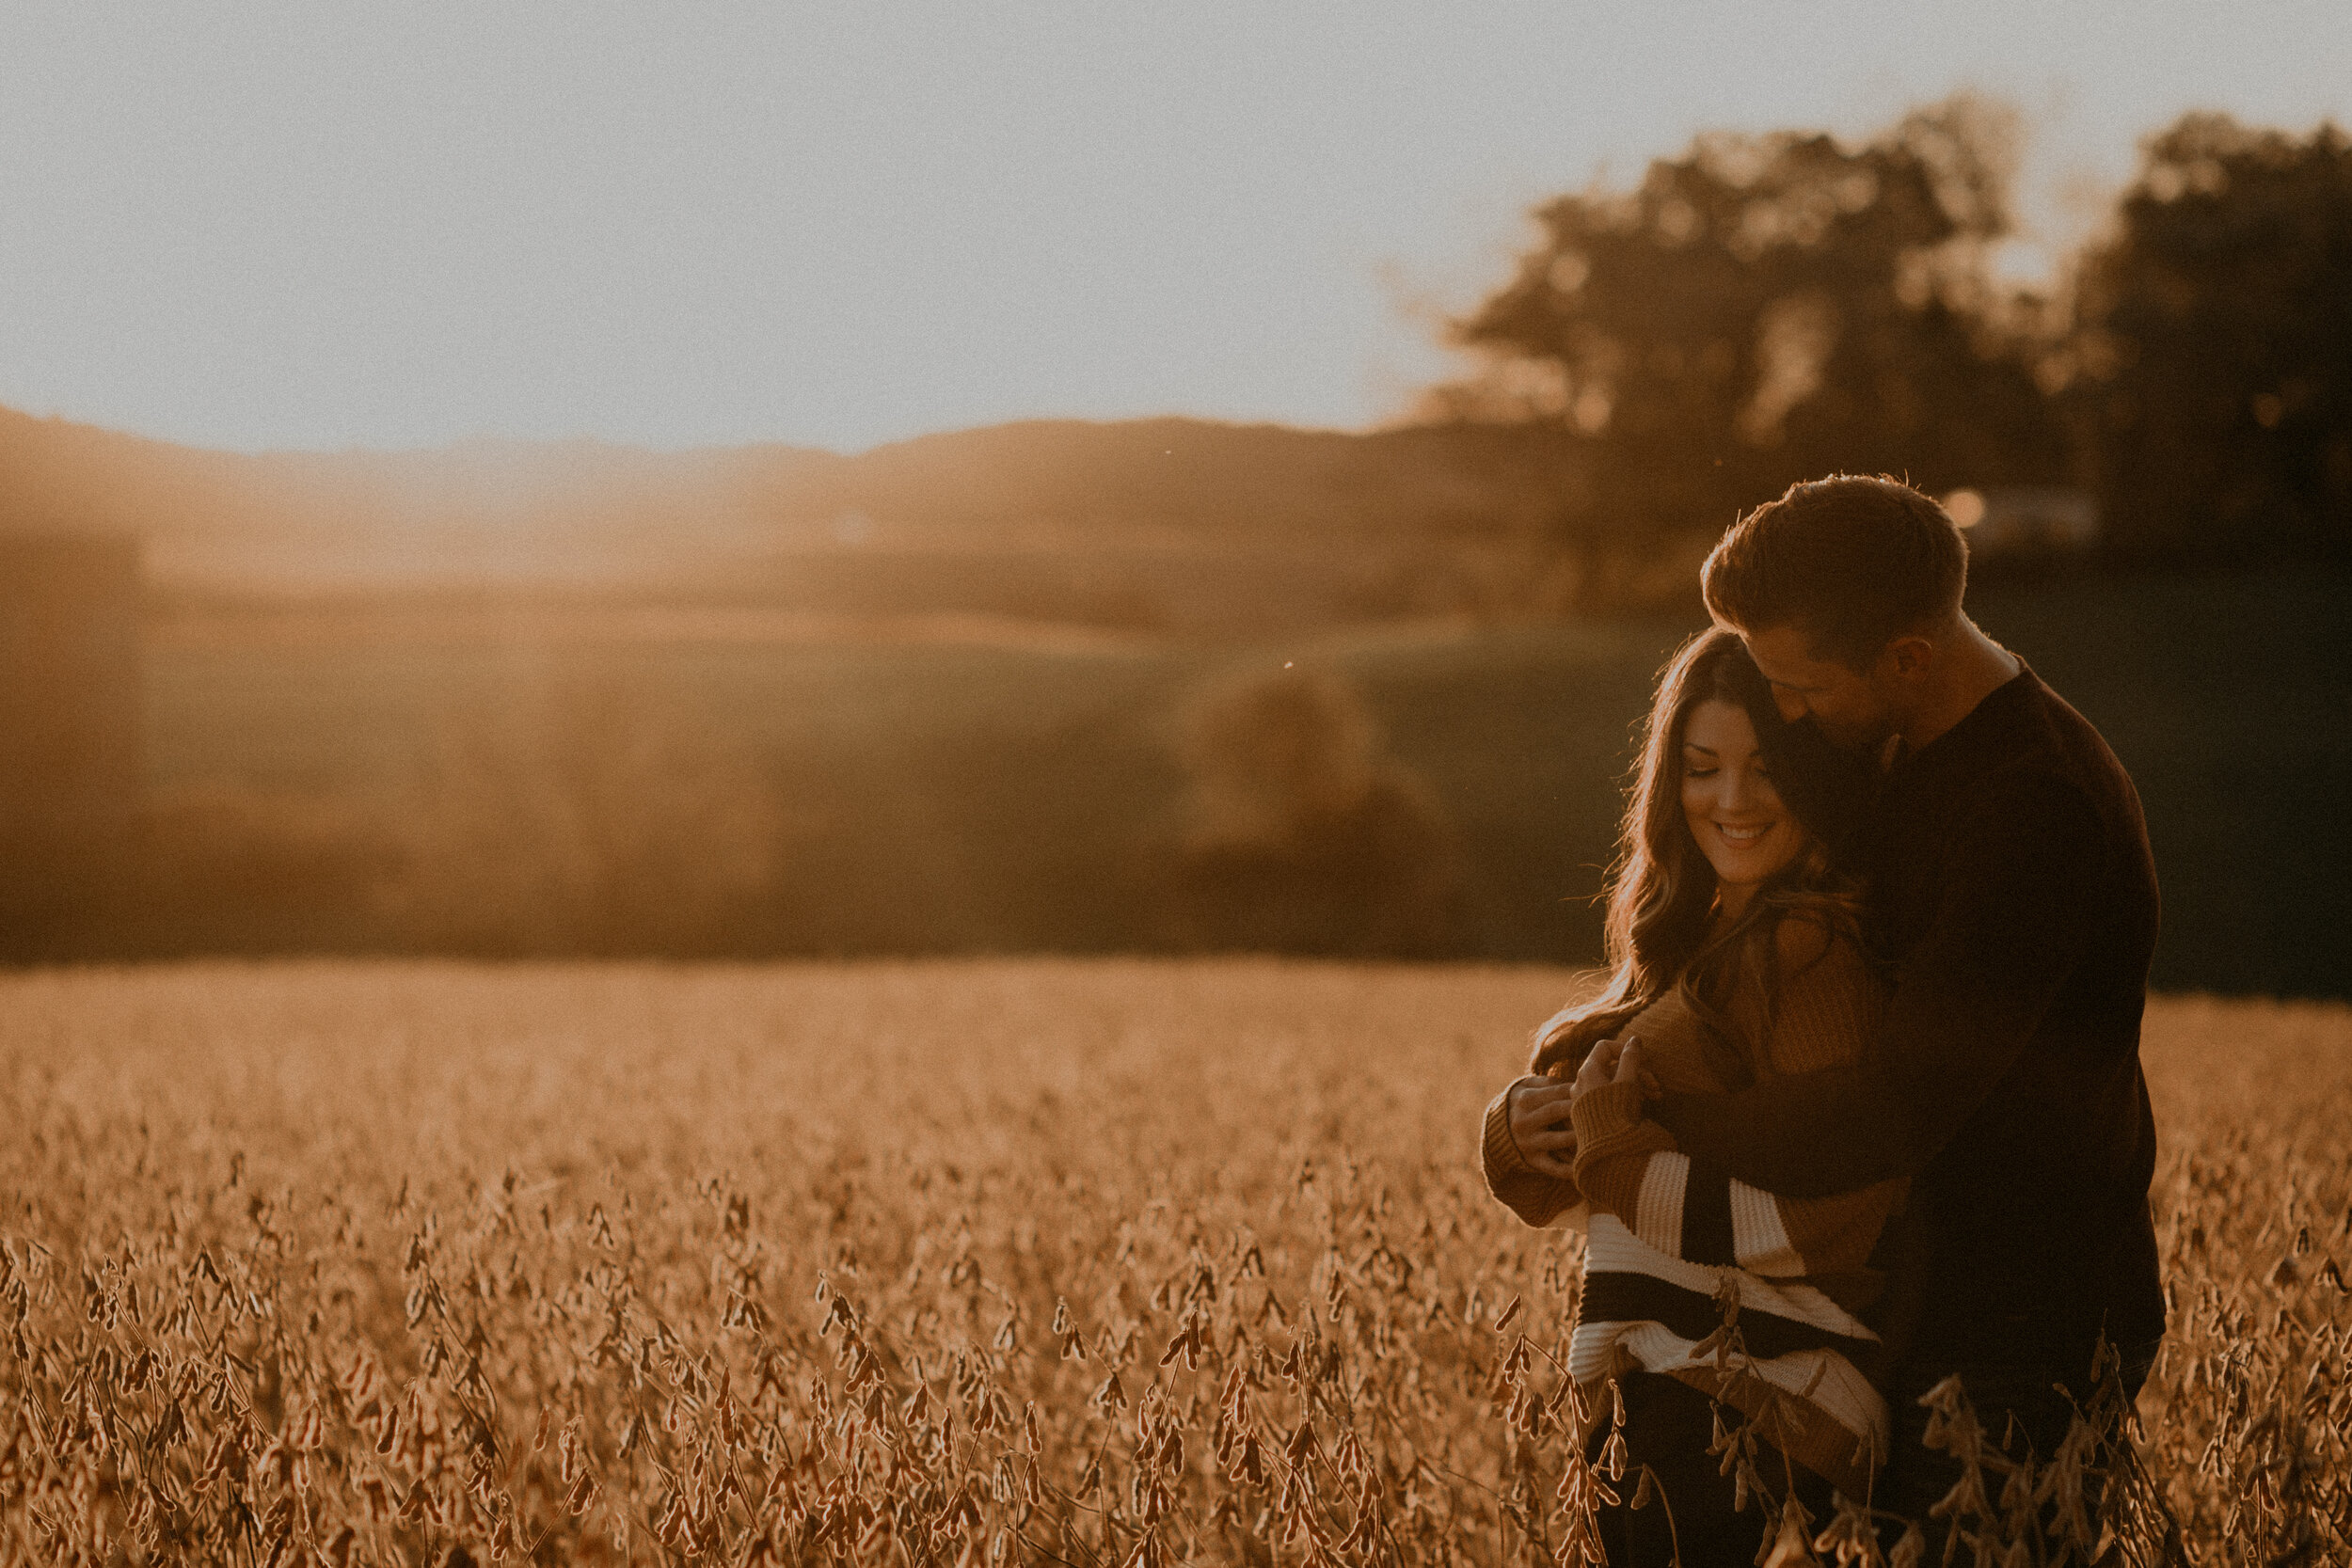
x=1698, y=772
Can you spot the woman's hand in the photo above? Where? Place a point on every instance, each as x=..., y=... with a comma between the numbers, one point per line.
x=1613, y=1062
x=1539, y=1125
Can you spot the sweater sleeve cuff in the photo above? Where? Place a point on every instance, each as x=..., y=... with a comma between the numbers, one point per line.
x=1605, y=1113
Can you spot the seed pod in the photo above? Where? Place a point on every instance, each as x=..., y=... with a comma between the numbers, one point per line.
x=309, y=1430
x=1251, y=1467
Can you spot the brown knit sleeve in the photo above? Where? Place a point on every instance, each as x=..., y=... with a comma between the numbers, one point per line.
x=1614, y=1143
x=1828, y=1001
x=1828, y=1005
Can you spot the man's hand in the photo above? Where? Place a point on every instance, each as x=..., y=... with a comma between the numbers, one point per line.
x=1539, y=1125
x=1613, y=1062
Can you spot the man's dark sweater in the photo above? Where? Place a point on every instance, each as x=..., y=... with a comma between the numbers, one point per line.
x=2013, y=895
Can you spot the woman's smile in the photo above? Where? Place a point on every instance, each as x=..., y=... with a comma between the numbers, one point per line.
x=1729, y=799
x=1745, y=853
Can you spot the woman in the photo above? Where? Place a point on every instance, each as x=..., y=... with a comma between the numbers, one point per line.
x=1736, y=955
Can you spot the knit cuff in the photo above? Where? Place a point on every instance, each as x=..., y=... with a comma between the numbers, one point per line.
x=1605, y=1113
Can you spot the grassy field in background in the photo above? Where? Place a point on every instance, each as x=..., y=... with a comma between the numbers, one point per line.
x=996, y=787
x=957, y=1260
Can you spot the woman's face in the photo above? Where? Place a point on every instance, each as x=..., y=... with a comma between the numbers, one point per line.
x=1735, y=814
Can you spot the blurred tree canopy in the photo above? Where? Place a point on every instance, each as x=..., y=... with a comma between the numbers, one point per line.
x=2217, y=334
x=1766, y=309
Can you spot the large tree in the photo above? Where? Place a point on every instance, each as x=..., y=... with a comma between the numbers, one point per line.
x=2217, y=332
x=1770, y=308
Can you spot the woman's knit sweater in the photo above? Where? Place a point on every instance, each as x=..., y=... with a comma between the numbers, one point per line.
x=1668, y=1238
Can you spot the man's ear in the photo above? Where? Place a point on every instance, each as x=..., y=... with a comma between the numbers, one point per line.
x=1909, y=656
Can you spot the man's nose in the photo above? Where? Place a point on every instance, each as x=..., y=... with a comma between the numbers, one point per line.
x=1791, y=704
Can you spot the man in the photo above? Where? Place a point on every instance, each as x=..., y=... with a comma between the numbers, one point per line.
x=2012, y=893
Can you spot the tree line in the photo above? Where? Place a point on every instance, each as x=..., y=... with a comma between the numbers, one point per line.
x=1767, y=308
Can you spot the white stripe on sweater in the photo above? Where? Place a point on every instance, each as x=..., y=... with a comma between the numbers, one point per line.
x=1611, y=1248
x=1758, y=1239
x=1842, y=1393
x=1657, y=1207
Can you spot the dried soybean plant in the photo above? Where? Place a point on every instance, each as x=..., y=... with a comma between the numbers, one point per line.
x=438, y=1265
x=2250, y=1412
x=1093, y=1264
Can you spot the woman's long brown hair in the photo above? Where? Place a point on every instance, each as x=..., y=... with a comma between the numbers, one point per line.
x=1661, y=895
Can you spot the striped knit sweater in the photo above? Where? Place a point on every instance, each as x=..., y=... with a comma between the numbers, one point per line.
x=1665, y=1234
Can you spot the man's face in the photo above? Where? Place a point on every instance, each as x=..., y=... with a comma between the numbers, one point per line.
x=1852, y=710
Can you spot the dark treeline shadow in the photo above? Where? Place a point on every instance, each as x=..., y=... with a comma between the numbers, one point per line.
x=1443, y=794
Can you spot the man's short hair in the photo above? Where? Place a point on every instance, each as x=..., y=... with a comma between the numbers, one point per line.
x=1852, y=563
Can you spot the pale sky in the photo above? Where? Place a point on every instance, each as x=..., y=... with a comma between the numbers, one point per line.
x=340, y=223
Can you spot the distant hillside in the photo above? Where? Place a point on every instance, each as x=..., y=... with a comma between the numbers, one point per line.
x=754, y=521
x=1063, y=478
x=482, y=511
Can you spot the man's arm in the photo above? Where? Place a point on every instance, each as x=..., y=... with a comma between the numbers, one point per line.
x=2006, y=933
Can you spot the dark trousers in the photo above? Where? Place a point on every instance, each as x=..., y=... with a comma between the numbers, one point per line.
x=2015, y=1403
x=1668, y=1425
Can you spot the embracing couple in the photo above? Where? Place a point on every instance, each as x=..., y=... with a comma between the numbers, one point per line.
x=1867, y=1061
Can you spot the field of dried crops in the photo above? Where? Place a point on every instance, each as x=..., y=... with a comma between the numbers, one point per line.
x=984, y=1261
